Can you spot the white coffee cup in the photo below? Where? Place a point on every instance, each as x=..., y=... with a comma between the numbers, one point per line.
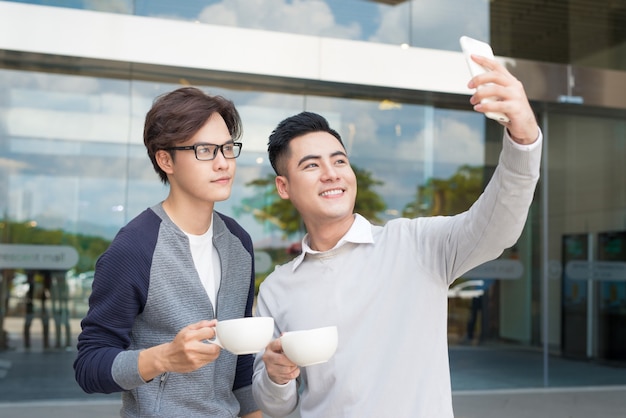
x=244, y=335
x=309, y=347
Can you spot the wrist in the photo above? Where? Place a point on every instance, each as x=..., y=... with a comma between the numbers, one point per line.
x=152, y=362
x=274, y=381
x=528, y=138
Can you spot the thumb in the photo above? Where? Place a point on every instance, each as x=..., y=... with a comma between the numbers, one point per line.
x=276, y=346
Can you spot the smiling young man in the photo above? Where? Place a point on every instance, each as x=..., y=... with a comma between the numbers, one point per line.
x=171, y=273
x=329, y=203
x=384, y=287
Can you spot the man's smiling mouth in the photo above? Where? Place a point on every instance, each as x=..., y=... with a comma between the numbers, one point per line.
x=332, y=192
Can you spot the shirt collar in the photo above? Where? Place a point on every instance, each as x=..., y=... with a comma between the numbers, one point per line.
x=359, y=233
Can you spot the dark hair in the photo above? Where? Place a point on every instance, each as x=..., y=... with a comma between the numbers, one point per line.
x=293, y=127
x=177, y=116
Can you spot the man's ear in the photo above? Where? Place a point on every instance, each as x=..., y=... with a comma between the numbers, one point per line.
x=281, y=187
x=165, y=161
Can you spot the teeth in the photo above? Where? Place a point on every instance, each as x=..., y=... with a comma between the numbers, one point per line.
x=332, y=192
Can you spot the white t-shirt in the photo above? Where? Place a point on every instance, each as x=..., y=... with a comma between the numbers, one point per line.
x=206, y=260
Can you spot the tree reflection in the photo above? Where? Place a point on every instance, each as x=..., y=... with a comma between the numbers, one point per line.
x=447, y=196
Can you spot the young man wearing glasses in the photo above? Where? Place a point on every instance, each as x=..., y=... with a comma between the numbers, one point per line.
x=384, y=287
x=171, y=273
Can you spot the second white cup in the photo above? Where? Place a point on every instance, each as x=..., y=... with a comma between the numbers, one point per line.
x=309, y=347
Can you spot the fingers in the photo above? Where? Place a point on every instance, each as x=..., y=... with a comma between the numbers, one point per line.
x=498, y=91
x=199, y=331
x=202, y=324
x=189, y=349
x=279, y=368
x=507, y=98
x=496, y=74
x=490, y=64
x=275, y=346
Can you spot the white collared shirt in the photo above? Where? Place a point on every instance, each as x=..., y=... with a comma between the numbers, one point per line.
x=359, y=233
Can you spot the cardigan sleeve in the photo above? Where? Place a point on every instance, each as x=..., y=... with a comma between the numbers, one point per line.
x=119, y=293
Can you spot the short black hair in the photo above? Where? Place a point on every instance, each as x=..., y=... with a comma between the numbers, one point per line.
x=293, y=127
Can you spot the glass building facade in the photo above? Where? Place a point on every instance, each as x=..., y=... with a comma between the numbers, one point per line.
x=77, y=78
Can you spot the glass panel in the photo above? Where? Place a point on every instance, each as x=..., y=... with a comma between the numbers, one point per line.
x=63, y=161
x=346, y=19
x=439, y=25
x=587, y=249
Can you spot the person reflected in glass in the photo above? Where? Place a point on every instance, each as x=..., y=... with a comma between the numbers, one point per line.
x=172, y=272
x=384, y=287
x=479, y=307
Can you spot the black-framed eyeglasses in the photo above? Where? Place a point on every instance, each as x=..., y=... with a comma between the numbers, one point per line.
x=208, y=152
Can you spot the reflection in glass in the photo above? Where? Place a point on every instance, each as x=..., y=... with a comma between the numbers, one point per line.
x=580, y=32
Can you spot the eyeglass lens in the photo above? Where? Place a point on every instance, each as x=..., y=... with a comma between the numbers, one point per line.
x=209, y=151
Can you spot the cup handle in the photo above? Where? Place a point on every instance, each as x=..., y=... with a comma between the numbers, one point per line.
x=215, y=340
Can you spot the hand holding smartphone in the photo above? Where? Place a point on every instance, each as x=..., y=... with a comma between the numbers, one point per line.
x=472, y=46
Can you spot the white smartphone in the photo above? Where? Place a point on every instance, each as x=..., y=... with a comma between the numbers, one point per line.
x=473, y=46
